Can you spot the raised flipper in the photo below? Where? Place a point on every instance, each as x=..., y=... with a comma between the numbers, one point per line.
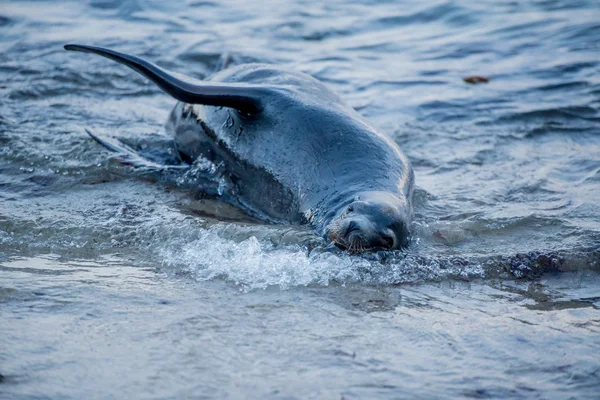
x=244, y=97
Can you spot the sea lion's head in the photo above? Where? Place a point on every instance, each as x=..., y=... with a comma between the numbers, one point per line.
x=373, y=221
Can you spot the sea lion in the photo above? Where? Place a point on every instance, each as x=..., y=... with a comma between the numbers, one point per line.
x=293, y=150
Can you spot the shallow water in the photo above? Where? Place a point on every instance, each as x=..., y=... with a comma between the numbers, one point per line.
x=118, y=285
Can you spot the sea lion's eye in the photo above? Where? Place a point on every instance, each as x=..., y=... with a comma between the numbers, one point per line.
x=246, y=115
x=350, y=208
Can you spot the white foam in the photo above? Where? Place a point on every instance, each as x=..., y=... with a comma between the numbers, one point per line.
x=258, y=264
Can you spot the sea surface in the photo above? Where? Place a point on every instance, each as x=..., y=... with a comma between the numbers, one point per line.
x=116, y=284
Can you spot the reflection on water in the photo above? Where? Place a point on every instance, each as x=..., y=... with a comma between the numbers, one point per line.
x=125, y=284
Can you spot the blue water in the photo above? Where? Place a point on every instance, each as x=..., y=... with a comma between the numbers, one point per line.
x=119, y=285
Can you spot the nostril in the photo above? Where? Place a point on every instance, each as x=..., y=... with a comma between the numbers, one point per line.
x=388, y=240
x=352, y=226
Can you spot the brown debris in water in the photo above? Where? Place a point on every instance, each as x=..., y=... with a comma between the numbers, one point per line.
x=475, y=79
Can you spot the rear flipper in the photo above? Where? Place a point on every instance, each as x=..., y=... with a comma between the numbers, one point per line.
x=225, y=61
x=127, y=156
x=198, y=177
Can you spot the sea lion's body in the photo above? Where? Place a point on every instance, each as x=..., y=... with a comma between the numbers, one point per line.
x=293, y=150
x=286, y=169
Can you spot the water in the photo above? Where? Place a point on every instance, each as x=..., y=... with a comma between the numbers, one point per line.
x=117, y=285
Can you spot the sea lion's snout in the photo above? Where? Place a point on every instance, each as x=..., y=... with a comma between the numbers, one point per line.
x=370, y=225
x=358, y=234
